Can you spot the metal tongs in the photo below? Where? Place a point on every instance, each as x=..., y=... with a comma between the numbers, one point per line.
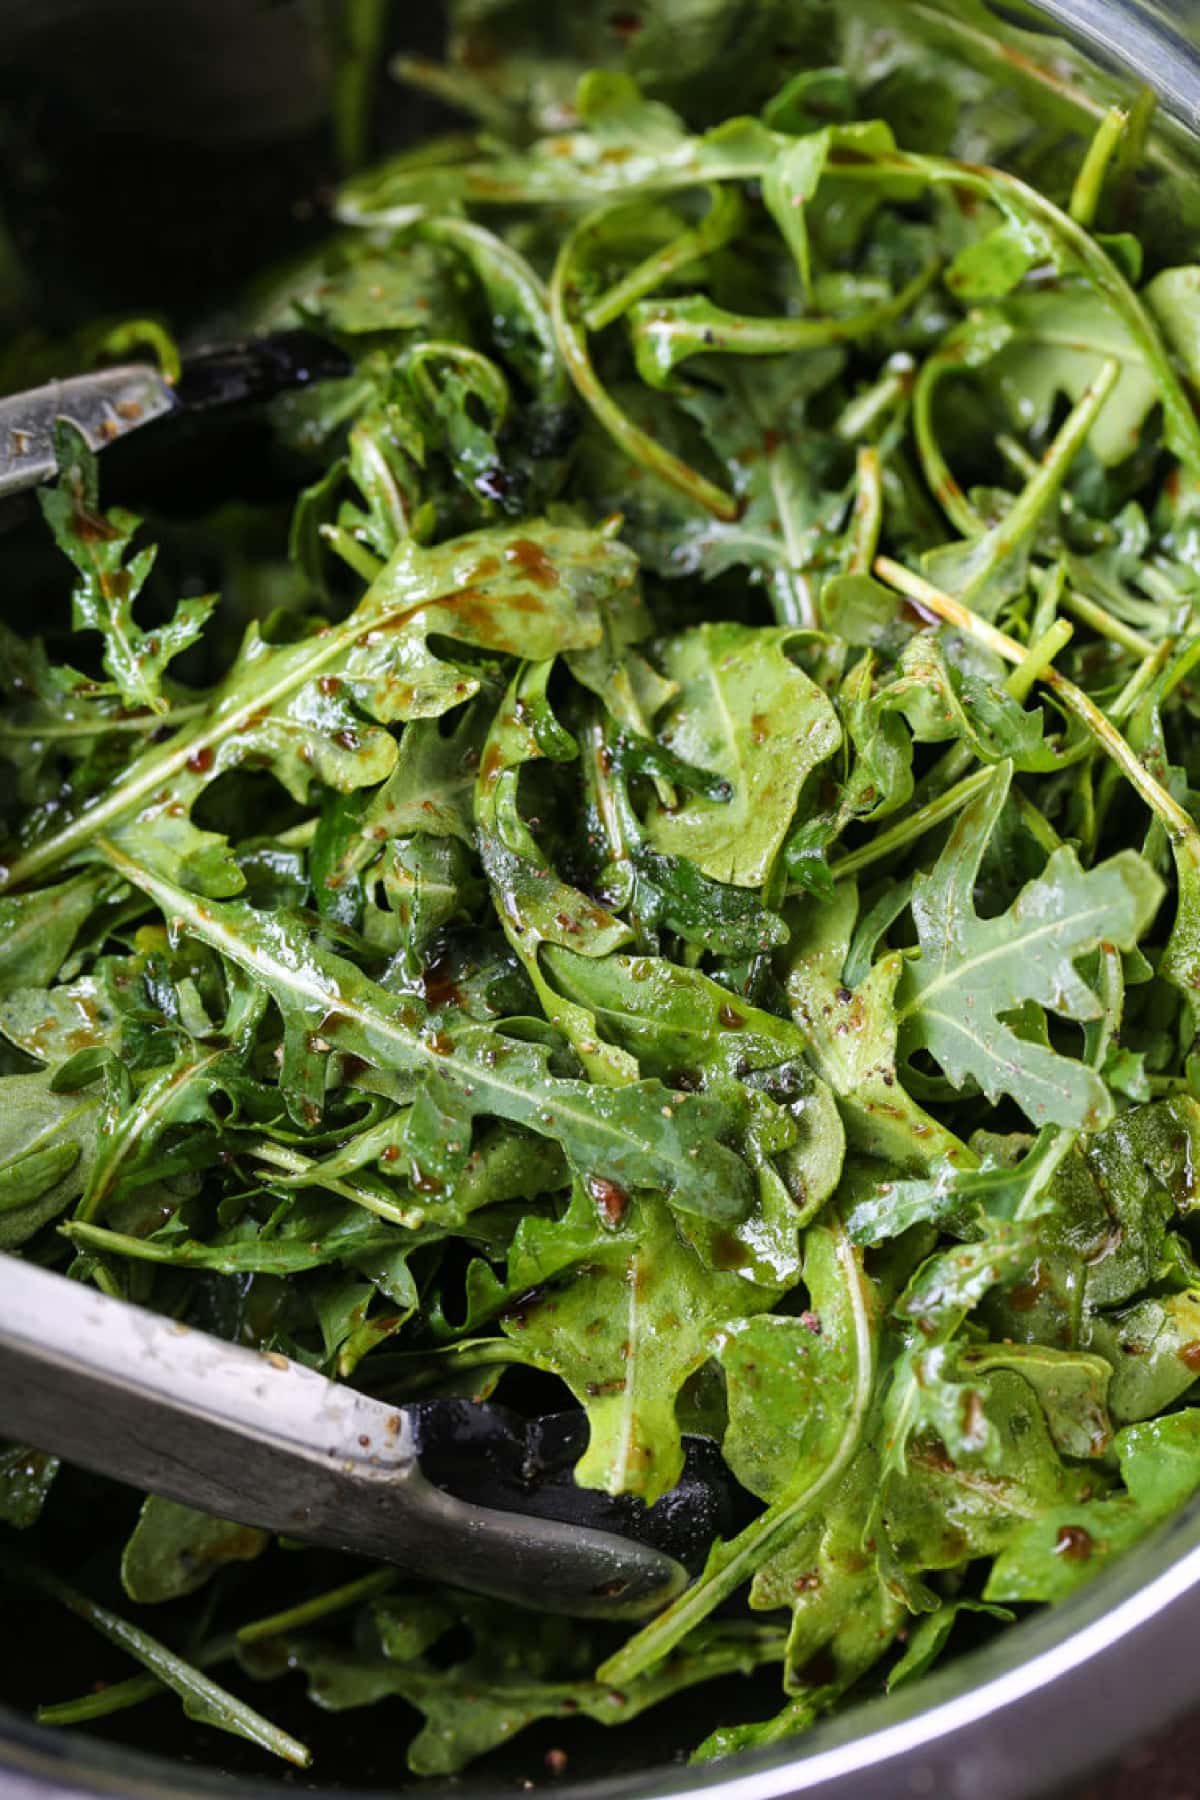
x=262, y=1440
x=109, y=404
x=460, y=1492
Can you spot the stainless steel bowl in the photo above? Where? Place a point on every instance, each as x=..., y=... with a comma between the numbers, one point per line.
x=1064, y=1692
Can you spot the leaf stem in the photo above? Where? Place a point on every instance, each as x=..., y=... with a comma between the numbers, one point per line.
x=83, y=728
x=733, y=1563
x=916, y=824
x=208, y=1702
x=722, y=221
x=1038, y=827
x=1038, y=658
x=1102, y=622
x=1017, y=199
x=1022, y=519
x=1179, y=825
x=1089, y=183
x=119, y=1696
x=320, y=1606
x=351, y=551
x=939, y=477
x=874, y=403
x=644, y=450
x=668, y=334
x=867, y=520
x=306, y=1171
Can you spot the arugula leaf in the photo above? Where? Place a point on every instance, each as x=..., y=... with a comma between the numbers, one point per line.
x=26, y=1477
x=534, y=907
x=852, y=1039
x=173, y=1550
x=642, y=1134
x=746, y=712
x=298, y=708
x=626, y=1332
x=587, y=932
x=47, y=1149
x=1056, y=1552
x=38, y=929
x=969, y=971
x=503, y=1685
x=109, y=584
x=843, y=1307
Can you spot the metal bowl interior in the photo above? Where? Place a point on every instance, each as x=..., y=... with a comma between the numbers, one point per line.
x=1042, y=1705
x=1068, y=1688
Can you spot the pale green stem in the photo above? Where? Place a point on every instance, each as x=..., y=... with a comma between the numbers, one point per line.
x=299, y=837
x=721, y=222
x=907, y=830
x=81, y=728
x=351, y=551
x=1039, y=493
x=304, y=1171
x=861, y=414
x=637, y=444
x=1038, y=827
x=1102, y=622
x=1179, y=825
x=1131, y=150
x=1089, y=612
x=321, y=1606
x=678, y=337
x=939, y=477
x=1049, y=592
x=1089, y=183
x=118, y=1696
x=1038, y=658
x=453, y=87
x=1158, y=585
x=867, y=522
x=211, y=1702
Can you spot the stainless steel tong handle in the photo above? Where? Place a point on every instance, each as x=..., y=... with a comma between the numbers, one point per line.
x=103, y=406
x=261, y=1440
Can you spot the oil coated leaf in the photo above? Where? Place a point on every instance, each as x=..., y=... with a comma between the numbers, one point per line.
x=640, y=1135
x=1055, y=1553
x=748, y=714
x=110, y=580
x=969, y=971
x=173, y=1550
x=625, y=1334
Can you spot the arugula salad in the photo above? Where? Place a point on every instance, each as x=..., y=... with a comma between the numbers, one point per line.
x=665, y=870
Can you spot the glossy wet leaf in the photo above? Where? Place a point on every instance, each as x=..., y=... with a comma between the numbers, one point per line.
x=627, y=1332
x=1054, y=1554
x=970, y=971
x=174, y=1550
x=111, y=579
x=713, y=749
x=747, y=713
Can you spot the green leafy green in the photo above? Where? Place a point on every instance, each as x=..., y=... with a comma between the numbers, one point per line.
x=970, y=972
x=109, y=584
x=668, y=889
